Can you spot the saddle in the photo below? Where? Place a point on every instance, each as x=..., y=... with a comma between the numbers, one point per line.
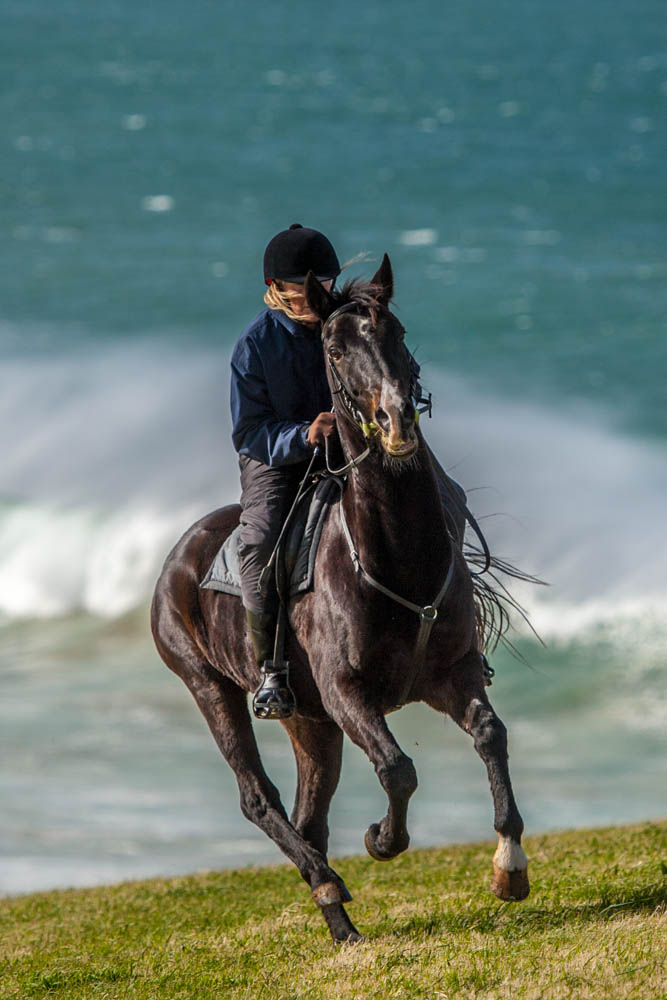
x=298, y=549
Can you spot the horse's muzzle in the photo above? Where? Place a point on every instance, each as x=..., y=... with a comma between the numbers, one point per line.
x=402, y=449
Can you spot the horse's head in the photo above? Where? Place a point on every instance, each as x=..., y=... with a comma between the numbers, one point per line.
x=368, y=366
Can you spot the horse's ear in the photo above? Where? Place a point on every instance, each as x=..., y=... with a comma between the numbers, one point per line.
x=317, y=297
x=384, y=279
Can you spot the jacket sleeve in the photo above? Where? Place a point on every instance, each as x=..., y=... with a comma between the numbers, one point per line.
x=256, y=431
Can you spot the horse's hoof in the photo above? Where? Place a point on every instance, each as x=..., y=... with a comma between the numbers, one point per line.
x=340, y=926
x=511, y=887
x=370, y=847
x=354, y=938
x=331, y=893
x=369, y=841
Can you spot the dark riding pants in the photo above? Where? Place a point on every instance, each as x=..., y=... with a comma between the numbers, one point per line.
x=267, y=493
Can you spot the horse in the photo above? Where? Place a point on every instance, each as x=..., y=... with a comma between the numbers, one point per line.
x=393, y=617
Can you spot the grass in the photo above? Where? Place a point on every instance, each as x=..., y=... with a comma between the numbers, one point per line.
x=595, y=926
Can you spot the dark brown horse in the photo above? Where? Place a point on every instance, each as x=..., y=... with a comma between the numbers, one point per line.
x=353, y=649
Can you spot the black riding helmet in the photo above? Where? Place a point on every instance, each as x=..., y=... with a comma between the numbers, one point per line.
x=294, y=252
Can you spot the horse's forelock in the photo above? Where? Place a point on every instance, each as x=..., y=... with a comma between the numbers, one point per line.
x=365, y=294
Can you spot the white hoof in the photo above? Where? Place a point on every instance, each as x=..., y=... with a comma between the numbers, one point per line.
x=510, y=871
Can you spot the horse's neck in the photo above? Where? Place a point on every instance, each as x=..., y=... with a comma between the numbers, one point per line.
x=397, y=519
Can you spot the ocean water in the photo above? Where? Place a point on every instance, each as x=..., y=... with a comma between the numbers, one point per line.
x=511, y=160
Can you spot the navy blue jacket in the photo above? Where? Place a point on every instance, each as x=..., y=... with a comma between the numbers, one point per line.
x=279, y=385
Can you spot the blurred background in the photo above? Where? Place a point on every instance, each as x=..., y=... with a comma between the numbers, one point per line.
x=510, y=157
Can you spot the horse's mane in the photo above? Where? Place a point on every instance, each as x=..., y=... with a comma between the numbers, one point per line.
x=494, y=604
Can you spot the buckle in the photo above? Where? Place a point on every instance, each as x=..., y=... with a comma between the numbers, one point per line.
x=488, y=673
x=427, y=404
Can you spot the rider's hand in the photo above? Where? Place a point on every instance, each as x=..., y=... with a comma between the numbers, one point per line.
x=323, y=426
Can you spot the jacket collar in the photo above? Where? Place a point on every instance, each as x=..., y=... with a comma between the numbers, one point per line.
x=296, y=329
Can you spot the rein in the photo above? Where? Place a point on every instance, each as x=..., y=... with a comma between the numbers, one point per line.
x=350, y=465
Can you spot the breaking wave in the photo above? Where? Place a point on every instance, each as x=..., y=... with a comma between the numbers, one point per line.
x=108, y=457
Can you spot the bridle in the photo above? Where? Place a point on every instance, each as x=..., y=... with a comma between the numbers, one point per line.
x=368, y=428
x=347, y=404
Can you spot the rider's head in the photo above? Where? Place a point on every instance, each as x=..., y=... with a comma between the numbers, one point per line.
x=288, y=258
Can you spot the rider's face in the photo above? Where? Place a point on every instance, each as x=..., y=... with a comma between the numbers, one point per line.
x=298, y=303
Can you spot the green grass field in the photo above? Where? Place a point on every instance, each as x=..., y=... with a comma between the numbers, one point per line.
x=594, y=926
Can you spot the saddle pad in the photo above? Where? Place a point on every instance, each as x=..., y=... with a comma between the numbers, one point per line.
x=300, y=546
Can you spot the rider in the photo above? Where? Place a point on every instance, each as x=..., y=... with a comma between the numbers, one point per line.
x=281, y=410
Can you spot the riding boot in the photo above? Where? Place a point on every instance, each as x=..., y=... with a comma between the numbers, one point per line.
x=274, y=698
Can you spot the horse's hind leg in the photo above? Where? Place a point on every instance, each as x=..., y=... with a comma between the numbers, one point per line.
x=225, y=709
x=318, y=749
x=463, y=697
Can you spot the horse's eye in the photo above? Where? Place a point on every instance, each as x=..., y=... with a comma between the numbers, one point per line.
x=335, y=353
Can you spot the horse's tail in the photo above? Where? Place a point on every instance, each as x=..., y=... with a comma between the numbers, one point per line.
x=494, y=604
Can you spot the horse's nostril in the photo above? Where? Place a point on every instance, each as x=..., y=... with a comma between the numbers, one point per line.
x=382, y=418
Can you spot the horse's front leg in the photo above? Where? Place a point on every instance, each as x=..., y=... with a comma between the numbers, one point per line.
x=463, y=697
x=318, y=750
x=225, y=709
x=365, y=725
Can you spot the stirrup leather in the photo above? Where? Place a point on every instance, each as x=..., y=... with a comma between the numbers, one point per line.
x=274, y=698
